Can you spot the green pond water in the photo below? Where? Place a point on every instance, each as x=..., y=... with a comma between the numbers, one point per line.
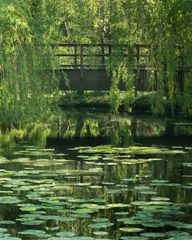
x=98, y=176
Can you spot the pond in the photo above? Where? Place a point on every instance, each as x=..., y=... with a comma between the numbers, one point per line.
x=98, y=176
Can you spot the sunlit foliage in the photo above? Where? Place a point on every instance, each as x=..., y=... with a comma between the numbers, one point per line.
x=27, y=28
x=164, y=25
x=26, y=61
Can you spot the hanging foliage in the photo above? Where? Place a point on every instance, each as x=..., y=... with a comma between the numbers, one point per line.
x=164, y=26
x=26, y=84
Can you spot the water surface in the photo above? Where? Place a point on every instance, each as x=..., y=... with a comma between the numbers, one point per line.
x=98, y=176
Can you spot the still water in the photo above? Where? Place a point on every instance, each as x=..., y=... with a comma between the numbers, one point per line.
x=97, y=176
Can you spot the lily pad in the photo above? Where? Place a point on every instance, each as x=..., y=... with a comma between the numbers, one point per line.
x=131, y=230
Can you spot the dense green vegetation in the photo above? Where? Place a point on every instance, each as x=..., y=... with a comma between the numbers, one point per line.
x=95, y=175
x=26, y=85
x=27, y=27
x=164, y=25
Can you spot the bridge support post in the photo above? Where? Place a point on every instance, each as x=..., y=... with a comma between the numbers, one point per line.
x=75, y=56
x=81, y=62
x=103, y=55
x=137, y=68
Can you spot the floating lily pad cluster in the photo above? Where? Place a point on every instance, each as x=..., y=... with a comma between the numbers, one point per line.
x=103, y=192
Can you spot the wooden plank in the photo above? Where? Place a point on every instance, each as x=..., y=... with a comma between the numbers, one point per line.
x=103, y=66
x=97, y=45
x=78, y=55
x=95, y=66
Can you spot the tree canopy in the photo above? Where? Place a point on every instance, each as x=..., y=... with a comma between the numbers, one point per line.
x=28, y=27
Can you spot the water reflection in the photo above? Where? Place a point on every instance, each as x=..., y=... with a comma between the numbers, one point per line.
x=121, y=130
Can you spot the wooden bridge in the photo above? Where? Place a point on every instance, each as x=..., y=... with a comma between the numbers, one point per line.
x=84, y=66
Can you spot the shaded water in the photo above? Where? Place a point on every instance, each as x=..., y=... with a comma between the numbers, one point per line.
x=98, y=176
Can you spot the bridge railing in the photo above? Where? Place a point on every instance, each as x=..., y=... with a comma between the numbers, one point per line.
x=73, y=55
x=82, y=56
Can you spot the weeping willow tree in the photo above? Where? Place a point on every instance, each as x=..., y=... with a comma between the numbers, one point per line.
x=26, y=28
x=26, y=85
x=165, y=25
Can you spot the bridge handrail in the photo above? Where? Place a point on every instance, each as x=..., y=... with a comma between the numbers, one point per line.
x=80, y=56
x=98, y=44
x=78, y=53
